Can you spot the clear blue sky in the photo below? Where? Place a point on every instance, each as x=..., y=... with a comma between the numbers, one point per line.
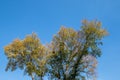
x=21, y=17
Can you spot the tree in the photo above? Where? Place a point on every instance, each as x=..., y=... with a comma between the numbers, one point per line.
x=27, y=55
x=74, y=53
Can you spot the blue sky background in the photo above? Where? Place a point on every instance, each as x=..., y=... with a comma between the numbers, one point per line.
x=21, y=17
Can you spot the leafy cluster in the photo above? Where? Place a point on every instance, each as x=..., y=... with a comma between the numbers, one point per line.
x=27, y=54
x=71, y=55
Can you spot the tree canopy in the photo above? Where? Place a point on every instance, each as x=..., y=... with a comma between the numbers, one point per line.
x=27, y=54
x=71, y=55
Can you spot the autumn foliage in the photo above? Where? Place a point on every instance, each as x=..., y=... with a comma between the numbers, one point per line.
x=71, y=55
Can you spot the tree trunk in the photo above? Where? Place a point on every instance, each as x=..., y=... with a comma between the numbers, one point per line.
x=41, y=78
x=32, y=77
